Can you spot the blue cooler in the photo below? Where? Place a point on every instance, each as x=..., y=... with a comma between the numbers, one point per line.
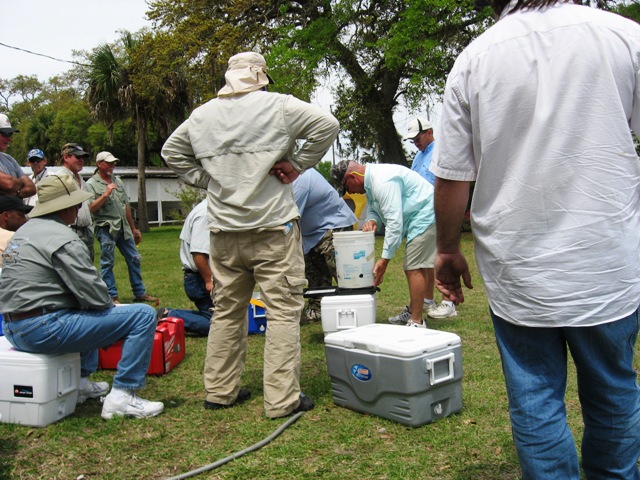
x=257, y=315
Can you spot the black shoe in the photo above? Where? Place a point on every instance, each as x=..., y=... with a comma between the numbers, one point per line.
x=243, y=396
x=306, y=404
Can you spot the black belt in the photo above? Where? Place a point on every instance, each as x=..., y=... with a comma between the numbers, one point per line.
x=190, y=272
x=14, y=316
x=75, y=227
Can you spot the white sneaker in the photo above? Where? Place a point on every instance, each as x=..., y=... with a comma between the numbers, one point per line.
x=402, y=318
x=428, y=307
x=444, y=310
x=89, y=389
x=130, y=405
x=412, y=324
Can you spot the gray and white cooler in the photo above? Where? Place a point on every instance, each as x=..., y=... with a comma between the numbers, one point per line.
x=409, y=375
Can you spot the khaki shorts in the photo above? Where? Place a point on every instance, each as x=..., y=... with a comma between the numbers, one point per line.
x=421, y=251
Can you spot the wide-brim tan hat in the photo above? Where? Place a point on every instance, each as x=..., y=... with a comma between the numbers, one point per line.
x=246, y=72
x=57, y=192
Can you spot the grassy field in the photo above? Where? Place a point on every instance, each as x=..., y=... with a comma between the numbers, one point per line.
x=329, y=442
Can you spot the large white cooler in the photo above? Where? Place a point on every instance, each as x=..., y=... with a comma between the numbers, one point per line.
x=409, y=375
x=340, y=312
x=37, y=389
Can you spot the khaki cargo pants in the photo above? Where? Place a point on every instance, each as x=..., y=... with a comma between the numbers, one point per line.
x=273, y=259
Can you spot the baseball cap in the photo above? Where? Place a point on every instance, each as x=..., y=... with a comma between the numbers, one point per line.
x=5, y=125
x=338, y=172
x=105, y=157
x=416, y=126
x=10, y=202
x=74, y=149
x=35, y=153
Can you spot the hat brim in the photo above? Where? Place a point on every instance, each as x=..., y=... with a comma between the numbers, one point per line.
x=60, y=203
x=20, y=208
x=9, y=130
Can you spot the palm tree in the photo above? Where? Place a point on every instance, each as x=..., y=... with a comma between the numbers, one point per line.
x=112, y=97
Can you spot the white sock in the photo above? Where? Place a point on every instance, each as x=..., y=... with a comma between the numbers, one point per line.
x=429, y=301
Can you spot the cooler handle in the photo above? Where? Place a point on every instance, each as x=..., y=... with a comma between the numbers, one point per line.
x=66, y=380
x=347, y=314
x=430, y=364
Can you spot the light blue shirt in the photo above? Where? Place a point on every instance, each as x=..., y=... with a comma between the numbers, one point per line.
x=422, y=161
x=321, y=208
x=402, y=200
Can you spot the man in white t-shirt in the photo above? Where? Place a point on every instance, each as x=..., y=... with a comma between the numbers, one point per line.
x=538, y=111
x=198, y=278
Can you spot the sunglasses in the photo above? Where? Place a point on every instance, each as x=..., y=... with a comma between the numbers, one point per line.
x=6, y=135
x=35, y=160
x=344, y=190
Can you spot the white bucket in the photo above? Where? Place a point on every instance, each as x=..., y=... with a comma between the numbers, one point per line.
x=355, y=258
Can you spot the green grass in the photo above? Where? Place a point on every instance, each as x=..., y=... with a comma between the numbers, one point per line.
x=328, y=442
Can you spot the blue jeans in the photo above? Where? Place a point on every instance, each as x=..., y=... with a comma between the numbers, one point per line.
x=84, y=331
x=195, y=321
x=108, y=259
x=534, y=361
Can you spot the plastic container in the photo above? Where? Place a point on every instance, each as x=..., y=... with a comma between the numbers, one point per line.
x=257, y=315
x=37, y=389
x=167, y=352
x=409, y=375
x=355, y=258
x=341, y=312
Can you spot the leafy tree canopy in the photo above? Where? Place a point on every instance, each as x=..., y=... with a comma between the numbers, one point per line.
x=372, y=54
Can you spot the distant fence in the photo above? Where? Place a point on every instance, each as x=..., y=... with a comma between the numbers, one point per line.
x=161, y=184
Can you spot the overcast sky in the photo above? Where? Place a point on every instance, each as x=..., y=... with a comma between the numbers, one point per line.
x=56, y=27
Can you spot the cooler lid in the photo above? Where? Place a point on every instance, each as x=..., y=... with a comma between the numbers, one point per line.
x=9, y=355
x=396, y=340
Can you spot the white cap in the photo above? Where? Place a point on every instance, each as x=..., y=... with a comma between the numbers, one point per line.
x=105, y=157
x=5, y=125
x=416, y=126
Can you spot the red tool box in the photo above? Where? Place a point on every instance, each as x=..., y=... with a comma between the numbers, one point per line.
x=168, y=348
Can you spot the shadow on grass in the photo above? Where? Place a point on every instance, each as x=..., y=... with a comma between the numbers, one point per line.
x=8, y=449
x=316, y=338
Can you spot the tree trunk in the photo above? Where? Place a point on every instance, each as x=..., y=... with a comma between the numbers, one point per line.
x=143, y=214
x=389, y=142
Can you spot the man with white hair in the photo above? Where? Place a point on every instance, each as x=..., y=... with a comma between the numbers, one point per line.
x=74, y=313
x=239, y=147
